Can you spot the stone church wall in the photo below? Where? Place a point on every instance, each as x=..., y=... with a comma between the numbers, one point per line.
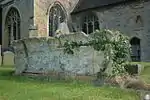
x=41, y=13
x=132, y=19
x=46, y=55
x=25, y=9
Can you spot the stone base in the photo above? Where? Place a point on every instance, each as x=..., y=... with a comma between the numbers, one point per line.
x=63, y=76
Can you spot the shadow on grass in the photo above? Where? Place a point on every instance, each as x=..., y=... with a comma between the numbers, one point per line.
x=7, y=74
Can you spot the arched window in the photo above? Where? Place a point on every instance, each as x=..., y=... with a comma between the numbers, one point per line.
x=56, y=16
x=136, y=49
x=90, y=23
x=12, y=25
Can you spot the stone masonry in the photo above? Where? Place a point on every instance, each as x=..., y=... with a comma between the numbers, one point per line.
x=132, y=19
x=41, y=13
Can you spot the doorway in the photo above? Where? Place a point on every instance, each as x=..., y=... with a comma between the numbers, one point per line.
x=136, y=49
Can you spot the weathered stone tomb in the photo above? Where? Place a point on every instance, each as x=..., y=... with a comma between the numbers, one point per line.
x=46, y=55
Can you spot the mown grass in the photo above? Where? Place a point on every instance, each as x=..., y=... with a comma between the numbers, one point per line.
x=27, y=88
x=145, y=75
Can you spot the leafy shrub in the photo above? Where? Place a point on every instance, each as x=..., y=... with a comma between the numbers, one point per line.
x=113, y=44
x=131, y=69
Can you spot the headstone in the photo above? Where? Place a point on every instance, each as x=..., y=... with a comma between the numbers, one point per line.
x=140, y=68
x=8, y=58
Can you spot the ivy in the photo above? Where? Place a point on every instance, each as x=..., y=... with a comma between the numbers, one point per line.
x=113, y=44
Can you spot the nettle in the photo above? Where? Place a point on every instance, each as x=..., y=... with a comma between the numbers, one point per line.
x=113, y=44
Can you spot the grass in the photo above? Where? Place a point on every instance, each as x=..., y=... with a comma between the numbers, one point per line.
x=27, y=88
x=145, y=75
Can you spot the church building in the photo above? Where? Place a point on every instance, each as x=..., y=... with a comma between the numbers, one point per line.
x=41, y=18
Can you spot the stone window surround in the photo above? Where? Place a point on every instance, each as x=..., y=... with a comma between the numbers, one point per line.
x=13, y=20
x=56, y=3
x=95, y=19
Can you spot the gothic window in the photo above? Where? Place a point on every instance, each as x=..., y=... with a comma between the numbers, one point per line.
x=56, y=16
x=12, y=25
x=90, y=23
x=136, y=50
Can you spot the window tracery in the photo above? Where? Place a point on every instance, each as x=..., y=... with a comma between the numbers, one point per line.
x=56, y=16
x=90, y=23
x=12, y=25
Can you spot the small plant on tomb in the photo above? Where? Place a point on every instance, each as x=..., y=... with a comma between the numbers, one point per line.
x=113, y=44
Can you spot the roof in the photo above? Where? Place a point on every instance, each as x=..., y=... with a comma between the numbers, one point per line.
x=90, y=4
x=6, y=2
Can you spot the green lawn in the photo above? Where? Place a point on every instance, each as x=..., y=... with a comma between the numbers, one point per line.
x=25, y=88
x=146, y=73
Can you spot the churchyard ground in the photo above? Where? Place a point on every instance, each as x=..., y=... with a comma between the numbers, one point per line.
x=26, y=88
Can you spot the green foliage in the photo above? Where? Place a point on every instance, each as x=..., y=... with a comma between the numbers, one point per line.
x=132, y=69
x=113, y=44
x=69, y=46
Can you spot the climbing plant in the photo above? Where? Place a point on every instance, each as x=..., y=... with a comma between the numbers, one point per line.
x=114, y=44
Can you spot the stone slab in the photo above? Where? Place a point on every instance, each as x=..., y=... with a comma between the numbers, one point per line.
x=8, y=58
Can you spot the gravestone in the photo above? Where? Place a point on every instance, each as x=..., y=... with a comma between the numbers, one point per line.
x=8, y=58
x=140, y=68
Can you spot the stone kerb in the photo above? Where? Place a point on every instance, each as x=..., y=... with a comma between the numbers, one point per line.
x=45, y=55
